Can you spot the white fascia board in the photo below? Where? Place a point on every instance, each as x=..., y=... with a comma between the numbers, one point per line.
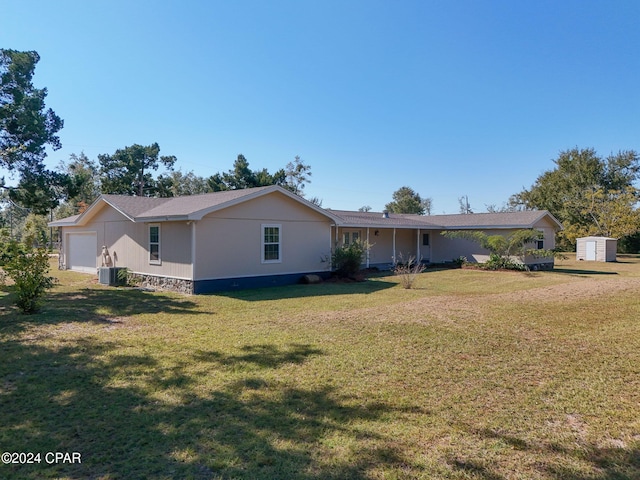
x=165, y=218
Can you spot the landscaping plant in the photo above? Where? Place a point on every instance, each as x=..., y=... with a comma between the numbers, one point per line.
x=28, y=269
x=504, y=250
x=346, y=259
x=408, y=271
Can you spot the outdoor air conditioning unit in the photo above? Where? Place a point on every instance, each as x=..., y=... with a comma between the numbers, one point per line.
x=109, y=276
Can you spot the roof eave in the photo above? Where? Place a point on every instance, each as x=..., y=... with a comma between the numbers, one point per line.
x=163, y=218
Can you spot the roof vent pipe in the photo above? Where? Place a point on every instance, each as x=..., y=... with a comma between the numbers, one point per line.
x=385, y=214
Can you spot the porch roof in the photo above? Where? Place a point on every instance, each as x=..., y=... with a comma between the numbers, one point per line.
x=481, y=221
x=379, y=220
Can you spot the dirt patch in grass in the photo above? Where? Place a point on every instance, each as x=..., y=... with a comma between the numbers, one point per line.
x=578, y=289
x=453, y=308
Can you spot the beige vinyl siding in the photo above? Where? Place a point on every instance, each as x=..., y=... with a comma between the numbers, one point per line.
x=381, y=246
x=381, y=252
x=229, y=242
x=447, y=249
x=128, y=243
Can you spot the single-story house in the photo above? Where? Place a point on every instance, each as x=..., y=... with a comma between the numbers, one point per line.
x=394, y=237
x=596, y=249
x=262, y=236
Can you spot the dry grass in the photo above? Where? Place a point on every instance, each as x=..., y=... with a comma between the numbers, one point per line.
x=470, y=375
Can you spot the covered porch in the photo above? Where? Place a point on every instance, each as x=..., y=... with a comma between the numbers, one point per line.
x=388, y=246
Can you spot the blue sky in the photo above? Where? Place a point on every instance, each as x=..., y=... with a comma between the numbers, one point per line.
x=448, y=97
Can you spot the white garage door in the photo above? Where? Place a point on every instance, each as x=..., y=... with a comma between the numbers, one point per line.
x=82, y=251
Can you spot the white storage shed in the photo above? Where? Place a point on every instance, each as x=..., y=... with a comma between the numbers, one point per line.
x=596, y=249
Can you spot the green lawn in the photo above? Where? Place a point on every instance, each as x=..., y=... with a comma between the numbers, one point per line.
x=471, y=375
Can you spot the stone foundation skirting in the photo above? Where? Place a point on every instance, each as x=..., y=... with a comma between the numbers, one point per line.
x=169, y=284
x=541, y=266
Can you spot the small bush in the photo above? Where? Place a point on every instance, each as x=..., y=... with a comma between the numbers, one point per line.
x=127, y=278
x=346, y=259
x=497, y=262
x=408, y=271
x=460, y=261
x=28, y=270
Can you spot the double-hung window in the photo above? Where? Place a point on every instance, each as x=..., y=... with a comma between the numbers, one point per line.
x=350, y=237
x=154, y=244
x=271, y=243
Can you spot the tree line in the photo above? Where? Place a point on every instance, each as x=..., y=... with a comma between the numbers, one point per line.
x=589, y=194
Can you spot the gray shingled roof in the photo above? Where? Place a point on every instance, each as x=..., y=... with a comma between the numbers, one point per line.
x=192, y=207
x=186, y=206
x=376, y=219
x=133, y=207
x=524, y=219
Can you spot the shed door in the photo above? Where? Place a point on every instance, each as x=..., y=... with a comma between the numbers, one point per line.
x=82, y=252
x=591, y=246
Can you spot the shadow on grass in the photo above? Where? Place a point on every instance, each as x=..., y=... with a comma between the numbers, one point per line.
x=301, y=291
x=94, y=306
x=130, y=416
x=579, y=271
x=607, y=463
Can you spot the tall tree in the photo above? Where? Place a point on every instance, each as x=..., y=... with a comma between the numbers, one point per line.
x=582, y=184
x=85, y=179
x=406, y=200
x=129, y=170
x=241, y=176
x=41, y=190
x=465, y=206
x=297, y=175
x=176, y=184
x=26, y=128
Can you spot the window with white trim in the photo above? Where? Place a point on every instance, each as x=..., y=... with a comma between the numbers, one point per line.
x=271, y=243
x=154, y=244
x=349, y=237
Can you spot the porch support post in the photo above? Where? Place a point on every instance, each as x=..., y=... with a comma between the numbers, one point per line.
x=331, y=246
x=394, y=246
x=367, y=247
x=418, y=246
x=193, y=251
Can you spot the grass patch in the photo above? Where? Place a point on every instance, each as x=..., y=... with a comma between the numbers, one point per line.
x=470, y=375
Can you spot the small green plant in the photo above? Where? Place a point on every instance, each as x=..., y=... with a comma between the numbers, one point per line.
x=408, y=271
x=28, y=270
x=505, y=252
x=346, y=259
x=460, y=261
x=497, y=262
x=124, y=276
